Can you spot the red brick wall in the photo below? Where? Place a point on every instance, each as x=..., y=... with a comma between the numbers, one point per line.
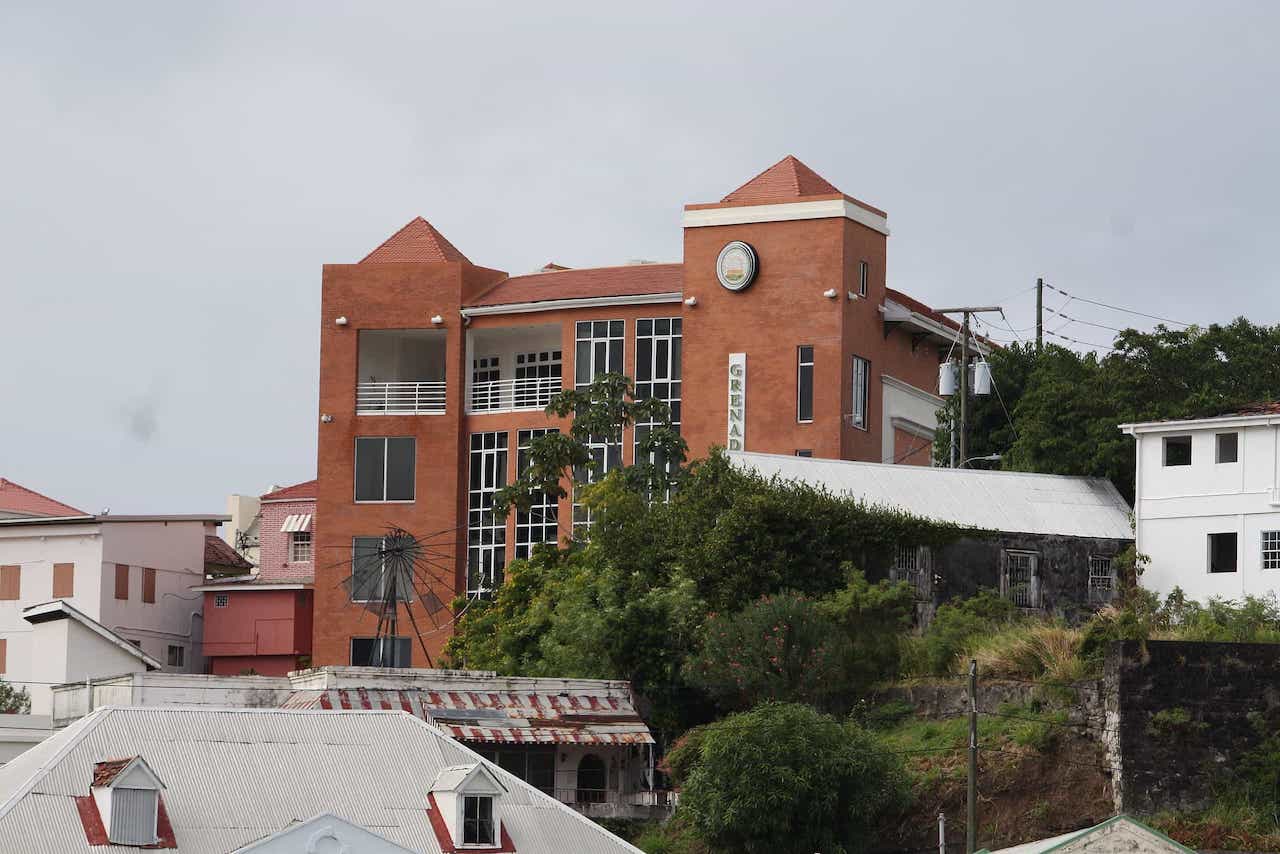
x=273, y=557
x=910, y=449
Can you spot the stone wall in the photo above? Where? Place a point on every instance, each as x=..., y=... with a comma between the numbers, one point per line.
x=1180, y=714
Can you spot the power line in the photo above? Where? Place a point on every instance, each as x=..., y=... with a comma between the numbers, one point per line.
x=1086, y=322
x=1078, y=341
x=1116, y=307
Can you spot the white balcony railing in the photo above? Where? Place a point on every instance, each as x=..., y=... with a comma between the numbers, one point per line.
x=400, y=398
x=513, y=395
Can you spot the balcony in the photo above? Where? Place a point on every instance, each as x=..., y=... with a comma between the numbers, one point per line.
x=401, y=372
x=513, y=369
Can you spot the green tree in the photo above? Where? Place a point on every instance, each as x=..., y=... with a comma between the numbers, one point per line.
x=787, y=778
x=13, y=701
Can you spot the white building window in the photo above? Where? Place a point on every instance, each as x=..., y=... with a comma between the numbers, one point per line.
x=1102, y=579
x=659, y=341
x=541, y=522
x=177, y=656
x=861, y=389
x=221, y=600
x=1223, y=552
x=606, y=454
x=385, y=468
x=477, y=820
x=1271, y=549
x=486, y=386
x=300, y=547
x=537, y=378
x=598, y=350
x=864, y=273
x=1228, y=447
x=1020, y=581
x=486, y=533
x=1177, y=450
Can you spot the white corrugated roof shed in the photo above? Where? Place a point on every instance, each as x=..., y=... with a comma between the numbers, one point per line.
x=233, y=776
x=1012, y=502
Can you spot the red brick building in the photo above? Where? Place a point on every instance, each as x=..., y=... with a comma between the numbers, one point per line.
x=777, y=333
x=260, y=621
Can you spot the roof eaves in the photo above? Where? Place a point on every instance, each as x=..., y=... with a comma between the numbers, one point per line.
x=73, y=735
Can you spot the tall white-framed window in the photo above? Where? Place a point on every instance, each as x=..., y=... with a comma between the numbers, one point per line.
x=1020, y=580
x=300, y=547
x=864, y=273
x=804, y=383
x=659, y=342
x=486, y=533
x=607, y=456
x=597, y=349
x=369, y=581
x=861, y=391
x=385, y=468
x=1102, y=578
x=541, y=522
x=1271, y=549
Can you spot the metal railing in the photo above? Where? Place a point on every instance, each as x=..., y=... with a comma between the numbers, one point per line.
x=645, y=798
x=400, y=398
x=513, y=395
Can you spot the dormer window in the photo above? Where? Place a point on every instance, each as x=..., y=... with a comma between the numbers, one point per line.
x=465, y=804
x=126, y=793
x=477, y=820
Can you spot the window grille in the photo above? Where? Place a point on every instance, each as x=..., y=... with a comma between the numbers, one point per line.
x=1102, y=579
x=1020, y=582
x=1271, y=549
x=221, y=600
x=912, y=565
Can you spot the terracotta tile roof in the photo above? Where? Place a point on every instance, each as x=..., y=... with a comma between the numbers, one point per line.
x=218, y=553
x=20, y=501
x=417, y=241
x=1270, y=407
x=104, y=772
x=306, y=489
x=784, y=180
x=629, y=280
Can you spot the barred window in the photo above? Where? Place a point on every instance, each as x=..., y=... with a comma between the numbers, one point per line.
x=1020, y=581
x=1102, y=579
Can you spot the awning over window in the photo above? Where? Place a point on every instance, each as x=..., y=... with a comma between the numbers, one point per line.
x=297, y=522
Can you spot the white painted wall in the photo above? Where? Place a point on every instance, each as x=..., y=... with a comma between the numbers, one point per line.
x=66, y=651
x=1177, y=507
x=906, y=403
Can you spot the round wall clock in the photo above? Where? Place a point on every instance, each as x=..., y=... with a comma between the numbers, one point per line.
x=736, y=266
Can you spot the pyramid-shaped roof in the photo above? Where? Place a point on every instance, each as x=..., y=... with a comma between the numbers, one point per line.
x=785, y=180
x=17, y=500
x=418, y=241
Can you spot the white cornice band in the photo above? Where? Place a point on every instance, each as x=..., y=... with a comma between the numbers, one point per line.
x=824, y=209
x=580, y=302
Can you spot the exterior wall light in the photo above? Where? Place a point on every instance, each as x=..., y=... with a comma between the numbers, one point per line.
x=341, y=321
x=326, y=418
x=829, y=293
x=691, y=301
x=437, y=319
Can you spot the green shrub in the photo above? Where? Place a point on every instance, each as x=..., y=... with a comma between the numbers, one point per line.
x=683, y=756
x=786, y=779
x=958, y=622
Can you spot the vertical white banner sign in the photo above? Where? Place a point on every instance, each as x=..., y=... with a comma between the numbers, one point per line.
x=737, y=438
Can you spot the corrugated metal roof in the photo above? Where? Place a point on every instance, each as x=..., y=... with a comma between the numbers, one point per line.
x=296, y=522
x=1012, y=502
x=236, y=775
x=495, y=717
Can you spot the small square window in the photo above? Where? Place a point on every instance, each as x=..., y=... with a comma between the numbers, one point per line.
x=177, y=656
x=1177, y=450
x=221, y=600
x=1222, y=552
x=300, y=548
x=1228, y=447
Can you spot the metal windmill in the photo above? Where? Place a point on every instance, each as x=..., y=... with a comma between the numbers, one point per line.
x=402, y=569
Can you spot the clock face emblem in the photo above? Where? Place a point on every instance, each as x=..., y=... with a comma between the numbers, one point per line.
x=736, y=266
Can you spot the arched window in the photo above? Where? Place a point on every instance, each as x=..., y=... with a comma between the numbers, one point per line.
x=593, y=780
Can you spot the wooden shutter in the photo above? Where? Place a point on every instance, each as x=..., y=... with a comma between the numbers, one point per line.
x=148, y=585
x=4, y=651
x=10, y=582
x=64, y=580
x=122, y=581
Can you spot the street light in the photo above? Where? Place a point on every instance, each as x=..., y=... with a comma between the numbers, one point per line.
x=990, y=458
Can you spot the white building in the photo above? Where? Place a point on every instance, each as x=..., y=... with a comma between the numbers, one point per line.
x=210, y=781
x=127, y=583
x=1207, y=503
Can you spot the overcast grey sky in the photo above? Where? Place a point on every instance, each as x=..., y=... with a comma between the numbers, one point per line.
x=173, y=175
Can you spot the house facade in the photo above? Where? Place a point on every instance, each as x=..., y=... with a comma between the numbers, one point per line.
x=259, y=620
x=1207, y=503
x=777, y=332
x=126, y=584
x=1048, y=543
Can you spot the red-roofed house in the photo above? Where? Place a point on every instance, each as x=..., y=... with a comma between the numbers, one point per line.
x=776, y=333
x=18, y=502
x=258, y=619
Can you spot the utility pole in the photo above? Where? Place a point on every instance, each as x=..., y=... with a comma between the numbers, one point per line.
x=971, y=813
x=1039, y=314
x=966, y=311
x=942, y=833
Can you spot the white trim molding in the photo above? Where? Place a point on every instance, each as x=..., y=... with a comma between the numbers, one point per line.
x=578, y=302
x=224, y=588
x=903, y=385
x=1218, y=423
x=825, y=209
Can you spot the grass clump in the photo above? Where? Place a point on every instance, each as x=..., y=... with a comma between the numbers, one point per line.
x=1030, y=650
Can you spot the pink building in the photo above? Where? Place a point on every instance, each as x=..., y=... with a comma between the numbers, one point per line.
x=260, y=621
